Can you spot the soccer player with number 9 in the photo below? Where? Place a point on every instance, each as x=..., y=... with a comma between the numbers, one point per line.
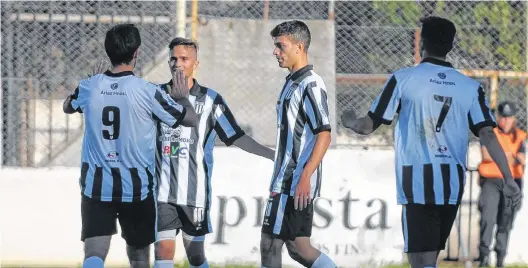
x=121, y=112
x=436, y=105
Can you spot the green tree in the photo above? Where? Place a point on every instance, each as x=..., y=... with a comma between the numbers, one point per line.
x=490, y=34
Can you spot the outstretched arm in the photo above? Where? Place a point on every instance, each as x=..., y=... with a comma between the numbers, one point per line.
x=363, y=126
x=382, y=110
x=190, y=118
x=249, y=145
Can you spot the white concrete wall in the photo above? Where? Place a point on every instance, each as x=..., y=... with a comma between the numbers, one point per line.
x=40, y=219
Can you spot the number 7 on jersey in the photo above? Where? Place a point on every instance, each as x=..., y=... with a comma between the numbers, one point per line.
x=445, y=109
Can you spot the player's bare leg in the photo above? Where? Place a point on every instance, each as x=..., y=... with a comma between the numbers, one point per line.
x=423, y=259
x=164, y=249
x=302, y=251
x=139, y=257
x=270, y=251
x=95, y=251
x=194, y=247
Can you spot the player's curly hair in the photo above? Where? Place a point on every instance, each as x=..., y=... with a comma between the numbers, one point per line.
x=180, y=41
x=438, y=35
x=297, y=30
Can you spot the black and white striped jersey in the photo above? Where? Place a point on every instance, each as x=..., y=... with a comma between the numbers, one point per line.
x=184, y=158
x=302, y=113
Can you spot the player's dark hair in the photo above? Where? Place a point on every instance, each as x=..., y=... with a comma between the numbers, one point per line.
x=121, y=43
x=438, y=35
x=297, y=30
x=180, y=41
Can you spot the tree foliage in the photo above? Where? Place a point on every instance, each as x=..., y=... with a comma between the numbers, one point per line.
x=490, y=35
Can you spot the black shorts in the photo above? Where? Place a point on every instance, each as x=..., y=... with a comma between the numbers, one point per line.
x=283, y=221
x=427, y=227
x=137, y=220
x=191, y=220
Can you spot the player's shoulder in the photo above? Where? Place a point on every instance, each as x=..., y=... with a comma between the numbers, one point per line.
x=146, y=85
x=403, y=73
x=208, y=91
x=313, y=79
x=90, y=81
x=199, y=90
x=213, y=94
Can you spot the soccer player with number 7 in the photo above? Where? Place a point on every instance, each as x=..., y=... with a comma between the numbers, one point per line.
x=436, y=106
x=117, y=181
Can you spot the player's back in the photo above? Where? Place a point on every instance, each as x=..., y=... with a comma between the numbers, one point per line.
x=437, y=105
x=434, y=114
x=119, y=139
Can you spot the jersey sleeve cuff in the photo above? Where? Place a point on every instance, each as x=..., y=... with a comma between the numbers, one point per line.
x=228, y=142
x=376, y=118
x=322, y=128
x=76, y=109
x=180, y=118
x=476, y=128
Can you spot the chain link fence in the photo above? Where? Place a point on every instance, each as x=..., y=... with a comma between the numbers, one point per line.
x=47, y=47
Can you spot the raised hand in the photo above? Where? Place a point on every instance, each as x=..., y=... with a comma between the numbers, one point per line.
x=179, y=88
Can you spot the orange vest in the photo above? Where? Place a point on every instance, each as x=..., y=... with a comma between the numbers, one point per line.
x=489, y=169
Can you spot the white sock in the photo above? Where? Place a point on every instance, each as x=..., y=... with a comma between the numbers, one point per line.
x=93, y=262
x=323, y=262
x=204, y=265
x=164, y=264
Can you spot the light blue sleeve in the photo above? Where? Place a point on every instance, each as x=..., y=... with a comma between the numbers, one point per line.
x=80, y=95
x=480, y=114
x=164, y=108
x=387, y=103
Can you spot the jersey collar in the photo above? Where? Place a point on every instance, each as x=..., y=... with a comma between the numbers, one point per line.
x=437, y=62
x=299, y=72
x=120, y=74
x=195, y=90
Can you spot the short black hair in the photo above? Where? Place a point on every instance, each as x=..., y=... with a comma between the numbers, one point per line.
x=180, y=41
x=121, y=43
x=438, y=35
x=298, y=30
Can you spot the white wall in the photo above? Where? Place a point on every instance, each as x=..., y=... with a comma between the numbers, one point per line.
x=40, y=219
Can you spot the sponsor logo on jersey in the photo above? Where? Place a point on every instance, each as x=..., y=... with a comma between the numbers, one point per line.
x=112, y=157
x=173, y=135
x=443, y=82
x=442, y=152
x=113, y=87
x=113, y=93
x=175, y=151
x=112, y=154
